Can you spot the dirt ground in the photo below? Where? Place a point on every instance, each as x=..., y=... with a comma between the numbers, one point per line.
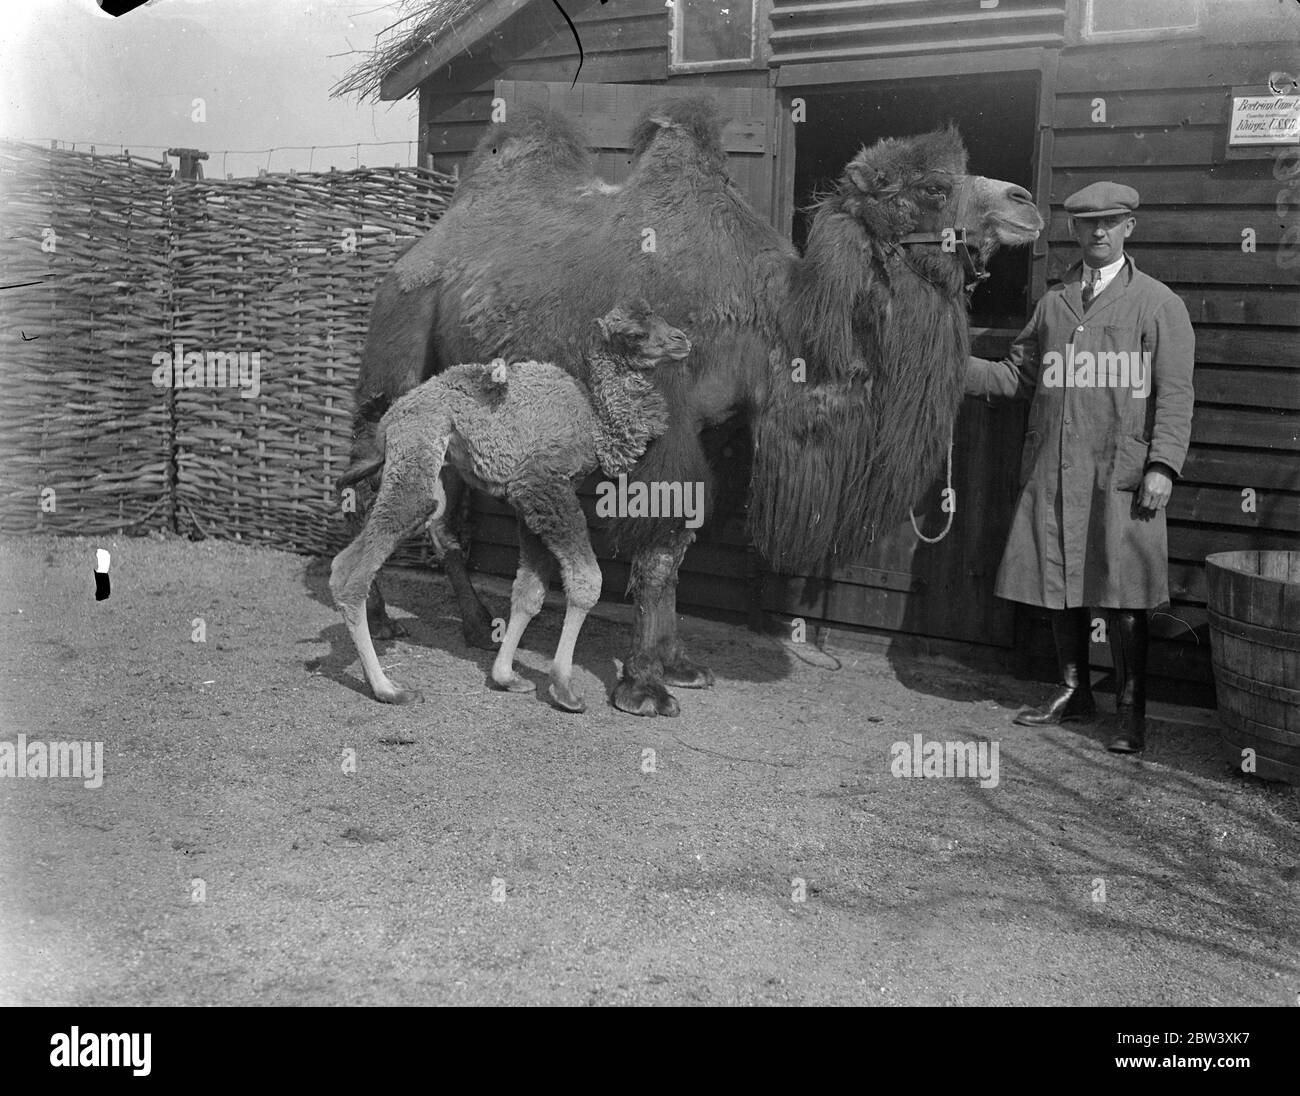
x=488, y=849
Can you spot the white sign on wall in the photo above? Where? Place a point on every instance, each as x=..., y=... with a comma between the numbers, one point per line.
x=1265, y=120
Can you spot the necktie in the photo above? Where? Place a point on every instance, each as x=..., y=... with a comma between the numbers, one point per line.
x=1090, y=287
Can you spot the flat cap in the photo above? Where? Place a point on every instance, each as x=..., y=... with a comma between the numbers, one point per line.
x=1102, y=200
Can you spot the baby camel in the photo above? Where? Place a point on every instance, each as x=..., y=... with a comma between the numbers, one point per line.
x=526, y=432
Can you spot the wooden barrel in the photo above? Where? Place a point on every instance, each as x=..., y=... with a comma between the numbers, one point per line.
x=1254, y=603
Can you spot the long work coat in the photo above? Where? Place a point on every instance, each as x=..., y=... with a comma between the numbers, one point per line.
x=1112, y=394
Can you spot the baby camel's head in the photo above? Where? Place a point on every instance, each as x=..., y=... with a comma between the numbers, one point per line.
x=638, y=334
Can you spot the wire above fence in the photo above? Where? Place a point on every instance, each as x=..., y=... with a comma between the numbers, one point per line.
x=93, y=147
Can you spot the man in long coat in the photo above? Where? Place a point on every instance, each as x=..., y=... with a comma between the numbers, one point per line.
x=1107, y=360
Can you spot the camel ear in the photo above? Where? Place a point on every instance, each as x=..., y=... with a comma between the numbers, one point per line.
x=603, y=327
x=865, y=179
x=621, y=330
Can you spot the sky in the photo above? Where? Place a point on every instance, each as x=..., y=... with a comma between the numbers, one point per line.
x=263, y=68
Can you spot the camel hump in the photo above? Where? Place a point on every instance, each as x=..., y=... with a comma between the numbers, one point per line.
x=539, y=135
x=909, y=158
x=694, y=115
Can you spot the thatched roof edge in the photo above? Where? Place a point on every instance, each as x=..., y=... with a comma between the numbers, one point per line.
x=419, y=25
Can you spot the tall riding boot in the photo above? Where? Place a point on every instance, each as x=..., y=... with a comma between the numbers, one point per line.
x=1073, y=701
x=1128, y=647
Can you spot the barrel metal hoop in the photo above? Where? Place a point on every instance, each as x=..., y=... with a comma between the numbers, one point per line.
x=1258, y=688
x=1256, y=633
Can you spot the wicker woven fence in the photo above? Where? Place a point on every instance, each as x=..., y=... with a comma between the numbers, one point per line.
x=260, y=290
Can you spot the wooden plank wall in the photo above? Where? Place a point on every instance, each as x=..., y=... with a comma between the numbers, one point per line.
x=814, y=32
x=1166, y=112
x=625, y=42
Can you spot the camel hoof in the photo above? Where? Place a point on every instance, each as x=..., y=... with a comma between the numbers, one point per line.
x=513, y=684
x=685, y=674
x=386, y=628
x=645, y=698
x=565, y=698
x=401, y=696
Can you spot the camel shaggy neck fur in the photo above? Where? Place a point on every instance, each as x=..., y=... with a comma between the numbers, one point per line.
x=630, y=412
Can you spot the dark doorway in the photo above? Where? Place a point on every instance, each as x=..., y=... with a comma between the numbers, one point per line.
x=996, y=116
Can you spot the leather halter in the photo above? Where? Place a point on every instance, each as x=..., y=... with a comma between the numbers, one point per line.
x=973, y=272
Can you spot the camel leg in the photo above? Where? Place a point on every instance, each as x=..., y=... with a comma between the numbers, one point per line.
x=380, y=624
x=526, y=597
x=475, y=620
x=395, y=512
x=551, y=509
x=350, y=577
x=560, y=689
x=656, y=651
x=680, y=670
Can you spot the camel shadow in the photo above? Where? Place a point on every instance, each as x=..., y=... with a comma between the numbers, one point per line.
x=426, y=607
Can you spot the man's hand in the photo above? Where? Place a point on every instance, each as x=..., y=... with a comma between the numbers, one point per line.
x=1153, y=495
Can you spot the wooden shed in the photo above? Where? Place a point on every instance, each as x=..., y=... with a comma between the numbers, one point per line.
x=1051, y=94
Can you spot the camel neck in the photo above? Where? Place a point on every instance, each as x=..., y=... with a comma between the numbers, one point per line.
x=630, y=412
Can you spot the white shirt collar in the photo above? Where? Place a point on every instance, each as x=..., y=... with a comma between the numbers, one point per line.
x=1105, y=273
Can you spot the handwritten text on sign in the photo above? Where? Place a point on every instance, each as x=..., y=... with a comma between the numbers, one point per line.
x=1265, y=120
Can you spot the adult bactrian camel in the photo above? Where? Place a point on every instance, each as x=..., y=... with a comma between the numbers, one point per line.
x=848, y=360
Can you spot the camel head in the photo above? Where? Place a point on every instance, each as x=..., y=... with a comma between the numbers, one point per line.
x=640, y=335
x=918, y=186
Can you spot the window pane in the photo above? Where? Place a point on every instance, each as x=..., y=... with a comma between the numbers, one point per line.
x=715, y=30
x=1122, y=15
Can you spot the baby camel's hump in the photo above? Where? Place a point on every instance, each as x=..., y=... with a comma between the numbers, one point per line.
x=535, y=420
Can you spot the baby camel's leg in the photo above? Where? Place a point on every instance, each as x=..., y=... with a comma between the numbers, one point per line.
x=553, y=512
x=526, y=597
x=406, y=496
